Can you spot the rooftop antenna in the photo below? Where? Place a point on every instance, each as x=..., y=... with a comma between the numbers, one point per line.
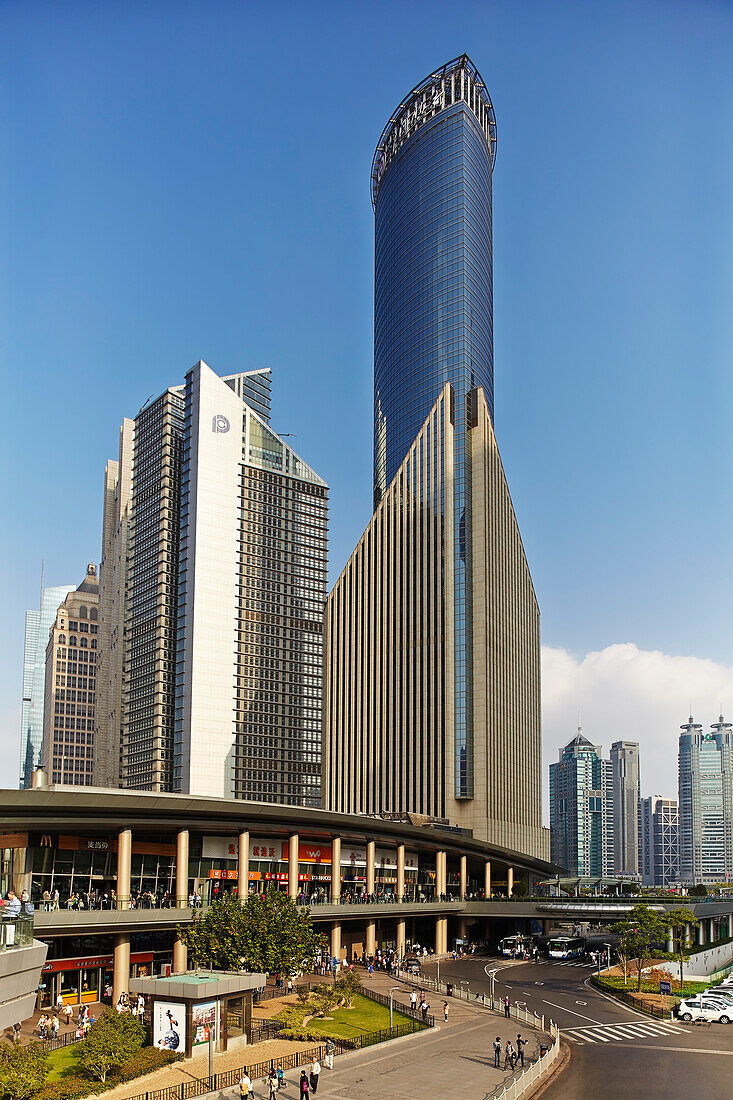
x=43, y=573
x=146, y=401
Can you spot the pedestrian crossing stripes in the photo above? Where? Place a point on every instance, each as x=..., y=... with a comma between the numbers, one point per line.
x=619, y=1033
x=571, y=962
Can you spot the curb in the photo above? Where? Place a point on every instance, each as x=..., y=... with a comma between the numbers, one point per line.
x=560, y=1066
x=633, y=1011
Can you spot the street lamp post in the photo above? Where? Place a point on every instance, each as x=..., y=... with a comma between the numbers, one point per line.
x=392, y=992
x=467, y=984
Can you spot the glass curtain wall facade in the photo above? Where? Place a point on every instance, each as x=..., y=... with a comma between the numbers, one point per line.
x=706, y=802
x=433, y=311
x=581, y=810
x=37, y=625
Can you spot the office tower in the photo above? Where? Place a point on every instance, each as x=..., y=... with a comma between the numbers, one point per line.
x=626, y=795
x=152, y=596
x=67, y=752
x=658, y=841
x=112, y=609
x=224, y=596
x=581, y=809
x=37, y=625
x=706, y=803
x=431, y=645
x=252, y=588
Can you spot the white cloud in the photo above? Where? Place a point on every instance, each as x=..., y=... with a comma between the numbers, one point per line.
x=623, y=692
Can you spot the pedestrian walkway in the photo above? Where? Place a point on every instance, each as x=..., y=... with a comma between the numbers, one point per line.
x=621, y=1032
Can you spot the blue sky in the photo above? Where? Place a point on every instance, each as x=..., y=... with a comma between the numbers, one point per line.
x=191, y=180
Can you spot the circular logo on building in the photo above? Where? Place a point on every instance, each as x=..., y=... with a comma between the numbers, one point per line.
x=220, y=423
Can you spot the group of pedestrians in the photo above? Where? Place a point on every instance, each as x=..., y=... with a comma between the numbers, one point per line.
x=422, y=1004
x=307, y=1086
x=513, y=1053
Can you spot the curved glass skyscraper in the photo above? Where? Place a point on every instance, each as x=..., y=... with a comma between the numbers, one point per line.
x=433, y=308
x=431, y=633
x=431, y=191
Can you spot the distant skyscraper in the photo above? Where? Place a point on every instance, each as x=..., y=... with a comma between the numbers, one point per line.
x=112, y=610
x=581, y=809
x=431, y=648
x=626, y=795
x=37, y=625
x=706, y=802
x=659, y=841
x=224, y=593
x=67, y=752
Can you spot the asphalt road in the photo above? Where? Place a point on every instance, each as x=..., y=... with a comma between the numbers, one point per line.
x=616, y=1053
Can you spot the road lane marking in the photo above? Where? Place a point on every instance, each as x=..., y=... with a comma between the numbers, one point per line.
x=572, y=1012
x=689, y=1050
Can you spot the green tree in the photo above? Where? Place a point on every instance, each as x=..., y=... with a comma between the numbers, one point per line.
x=267, y=933
x=23, y=1070
x=679, y=919
x=347, y=986
x=519, y=890
x=698, y=891
x=642, y=932
x=111, y=1041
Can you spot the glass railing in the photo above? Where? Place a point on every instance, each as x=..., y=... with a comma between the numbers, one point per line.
x=16, y=931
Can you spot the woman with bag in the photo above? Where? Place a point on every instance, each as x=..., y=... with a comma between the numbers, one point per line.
x=245, y=1085
x=304, y=1086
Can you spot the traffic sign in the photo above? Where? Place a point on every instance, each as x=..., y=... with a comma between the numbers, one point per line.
x=665, y=988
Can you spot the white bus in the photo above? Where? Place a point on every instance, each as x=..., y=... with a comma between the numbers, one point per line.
x=513, y=945
x=566, y=947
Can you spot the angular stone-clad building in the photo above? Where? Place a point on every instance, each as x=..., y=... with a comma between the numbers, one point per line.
x=431, y=647
x=389, y=689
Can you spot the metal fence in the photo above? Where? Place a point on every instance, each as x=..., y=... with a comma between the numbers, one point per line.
x=628, y=999
x=200, y=1086
x=441, y=988
x=265, y=1029
x=529, y=1076
x=63, y=1040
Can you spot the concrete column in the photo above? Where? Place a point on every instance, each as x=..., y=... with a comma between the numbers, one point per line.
x=293, y=866
x=730, y=925
x=243, y=866
x=441, y=935
x=371, y=859
x=461, y=929
x=509, y=881
x=180, y=957
x=670, y=941
x=124, y=864
x=440, y=874
x=182, y=870
x=121, y=975
x=336, y=870
x=464, y=876
x=336, y=940
x=400, y=937
x=371, y=937
x=401, y=872
x=701, y=932
x=487, y=879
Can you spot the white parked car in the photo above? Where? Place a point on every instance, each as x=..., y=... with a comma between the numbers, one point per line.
x=705, y=1009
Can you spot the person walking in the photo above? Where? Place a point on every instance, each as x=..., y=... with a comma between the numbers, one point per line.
x=507, y=1007
x=245, y=1085
x=497, y=1052
x=445, y=1012
x=413, y=1000
x=272, y=1084
x=304, y=1087
x=509, y=1055
x=521, y=1044
x=315, y=1074
x=330, y=1051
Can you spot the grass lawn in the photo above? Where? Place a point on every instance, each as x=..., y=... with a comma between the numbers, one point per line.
x=364, y=1015
x=62, y=1061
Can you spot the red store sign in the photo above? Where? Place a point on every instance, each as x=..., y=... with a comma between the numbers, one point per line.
x=57, y=965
